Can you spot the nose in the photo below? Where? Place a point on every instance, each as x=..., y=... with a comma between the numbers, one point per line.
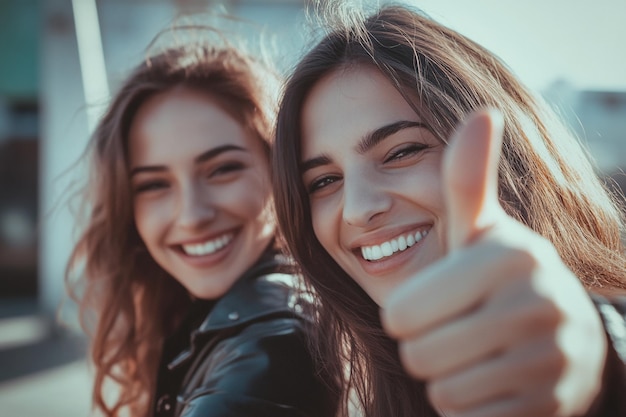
x=195, y=208
x=364, y=199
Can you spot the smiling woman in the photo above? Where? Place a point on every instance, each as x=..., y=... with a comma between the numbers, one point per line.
x=197, y=312
x=394, y=152
x=452, y=230
x=202, y=207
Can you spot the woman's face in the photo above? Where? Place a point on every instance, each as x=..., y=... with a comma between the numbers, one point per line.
x=201, y=190
x=372, y=171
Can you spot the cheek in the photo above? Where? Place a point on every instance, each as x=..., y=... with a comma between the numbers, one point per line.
x=325, y=224
x=424, y=187
x=249, y=199
x=139, y=217
x=147, y=220
x=427, y=195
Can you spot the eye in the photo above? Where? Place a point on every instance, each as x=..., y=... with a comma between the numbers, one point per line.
x=150, y=186
x=406, y=152
x=322, y=182
x=226, y=168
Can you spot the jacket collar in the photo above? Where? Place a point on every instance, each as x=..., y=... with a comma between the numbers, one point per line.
x=260, y=292
x=265, y=289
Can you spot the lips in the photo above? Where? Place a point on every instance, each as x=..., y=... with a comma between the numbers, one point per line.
x=388, y=248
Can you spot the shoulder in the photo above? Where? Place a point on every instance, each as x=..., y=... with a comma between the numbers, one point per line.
x=253, y=299
x=266, y=367
x=253, y=356
x=611, y=401
x=273, y=349
x=613, y=314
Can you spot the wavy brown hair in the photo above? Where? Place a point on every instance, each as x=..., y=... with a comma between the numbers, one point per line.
x=128, y=303
x=545, y=181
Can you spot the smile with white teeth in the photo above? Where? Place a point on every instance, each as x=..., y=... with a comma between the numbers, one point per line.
x=208, y=247
x=385, y=249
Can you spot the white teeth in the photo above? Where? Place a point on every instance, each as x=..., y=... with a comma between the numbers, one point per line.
x=208, y=247
x=375, y=252
x=386, y=248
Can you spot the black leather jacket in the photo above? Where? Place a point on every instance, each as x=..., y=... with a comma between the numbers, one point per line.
x=243, y=355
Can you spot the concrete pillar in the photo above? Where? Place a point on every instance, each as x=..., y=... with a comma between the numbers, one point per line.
x=64, y=134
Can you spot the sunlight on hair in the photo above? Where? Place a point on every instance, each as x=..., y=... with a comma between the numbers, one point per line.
x=220, y=29
x=343, y=13
x=215, y=26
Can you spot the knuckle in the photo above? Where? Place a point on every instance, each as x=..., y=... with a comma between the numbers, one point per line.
x=442, y=395
x=390, y=317
x=543, y=316
x=394, y=316
x=523, y=258
x=557, y=362
x=550, y=406
x=415, y=361
x=549, y=313
x=519, y=260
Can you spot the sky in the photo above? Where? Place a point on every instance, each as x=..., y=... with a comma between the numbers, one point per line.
x=580, y=41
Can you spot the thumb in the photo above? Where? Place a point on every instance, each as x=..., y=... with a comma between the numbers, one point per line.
x=470, y=176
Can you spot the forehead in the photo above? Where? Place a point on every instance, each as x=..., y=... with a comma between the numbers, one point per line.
x=347, y=104
x=182, y=123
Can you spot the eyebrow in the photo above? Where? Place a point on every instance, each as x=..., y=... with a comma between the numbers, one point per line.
x=205, y=156
x=369, y=141
x=314, y=163
x=373, y=138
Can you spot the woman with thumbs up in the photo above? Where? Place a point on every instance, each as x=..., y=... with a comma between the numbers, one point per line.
x=452, y=230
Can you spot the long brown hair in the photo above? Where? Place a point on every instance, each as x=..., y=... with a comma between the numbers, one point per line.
x=546, y=182
x=127, y=302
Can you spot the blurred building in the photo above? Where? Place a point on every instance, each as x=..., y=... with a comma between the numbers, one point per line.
x=59, y=60
x=599, y=119
x=19, y=147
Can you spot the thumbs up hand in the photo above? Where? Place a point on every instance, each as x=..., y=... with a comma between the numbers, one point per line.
x=499, y=327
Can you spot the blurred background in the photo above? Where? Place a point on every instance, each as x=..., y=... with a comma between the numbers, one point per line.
x=60, y=59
